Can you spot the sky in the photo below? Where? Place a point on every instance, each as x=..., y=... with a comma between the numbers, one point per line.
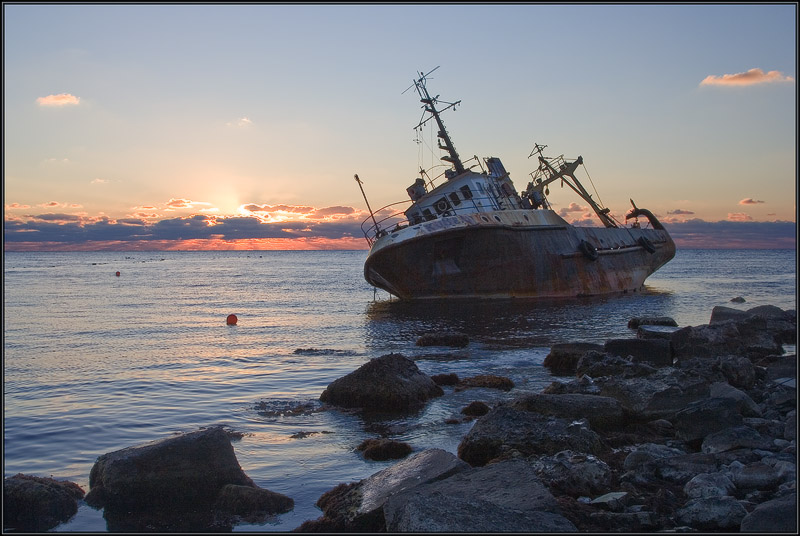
x=203, y=126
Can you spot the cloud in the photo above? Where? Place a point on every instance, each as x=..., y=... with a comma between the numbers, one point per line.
x=12, y=206
x=62, y=99
x=749, y=78
x=679, y=212
x=100, y=181
x=739, y=216
x=242, y=122
x=749, y=201
x=697, y=233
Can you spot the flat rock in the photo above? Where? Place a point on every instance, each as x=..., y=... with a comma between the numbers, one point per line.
x=602, y=412
x=478, y=500
x=36, y=504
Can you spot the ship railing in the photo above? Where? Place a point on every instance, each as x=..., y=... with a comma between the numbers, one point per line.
x=379, y=222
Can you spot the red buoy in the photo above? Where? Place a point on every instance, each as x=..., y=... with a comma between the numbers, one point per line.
x=117, y=274
x=232, y=320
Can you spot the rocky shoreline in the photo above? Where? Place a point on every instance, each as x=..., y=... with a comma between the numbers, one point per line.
x=676, y=429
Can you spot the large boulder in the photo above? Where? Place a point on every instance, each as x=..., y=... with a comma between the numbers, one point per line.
x=168, y=478
x=478, y=500
x=712, y=513
x=703, y=417
x=599, y=364
x=505, y=429
x=390, y=383
x=574, y=474
x=602, y=412
x=36, y=504
x=748, y=337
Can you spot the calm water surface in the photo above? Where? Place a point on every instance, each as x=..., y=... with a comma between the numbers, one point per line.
x=94, y=362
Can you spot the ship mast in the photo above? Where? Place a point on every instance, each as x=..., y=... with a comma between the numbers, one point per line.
x=430, y=106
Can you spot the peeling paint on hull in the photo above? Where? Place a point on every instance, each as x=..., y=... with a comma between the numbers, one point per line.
x=503, y=261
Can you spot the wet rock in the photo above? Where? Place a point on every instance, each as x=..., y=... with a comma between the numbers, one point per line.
x=476, y=409
x=36, y=504
x=712, y=513
x=573, y=473
x=390, y=383
x=707, y=485
x=563, y=357
x=777, y=515
x=251, y=504
x=638, y=321
x=602, y=412
x=710, y=340
x=681, y=469
x=445, y=379
x=359, y=507
x=738, y=299
x=173, y=478
x=504, y=429
x=784, y=366
x=703, y=417
x=384, y=449
x=453, y=339
x=478, y=500
x=489, y=381
x=721, y=313
x=656, y=352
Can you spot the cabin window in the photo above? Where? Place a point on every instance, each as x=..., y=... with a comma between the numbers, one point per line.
x=455, y=199
x=428, y=215
x=466, y=192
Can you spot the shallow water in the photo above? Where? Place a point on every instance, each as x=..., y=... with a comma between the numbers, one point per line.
x=94, y=362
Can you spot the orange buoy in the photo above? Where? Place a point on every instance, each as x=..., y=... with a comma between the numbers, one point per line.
x=117, y=274
x=232, y=320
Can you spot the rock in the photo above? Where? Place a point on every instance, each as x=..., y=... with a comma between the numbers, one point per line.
x=657, y=396
x=651, y=321
x=657, y=352
x=252, y=504
x=738, y=299
x=478, y=500
x=655, y=332
x=476, y=409
x=504, y=429
x=790, y=426
x=735, y=437
x=359, y=507
x=390, y=383
x=703, y=417
x=490, y=381
x=456, y=340
x=681, y=469
x=745, y=405
x=179, y=472
x=707, y=485
x=784, y=366
x=573, y=474
x=777, y=515
x=603, y=412
x=445, y=379
x=563, y=358
x=36, y=504
x=711, y=340
x=755, y=476
x=598, y=364
x=614, y=501
x=721, y=314
x=649, y=452
x=712, y=513
x=739, y=371
x=384, y=449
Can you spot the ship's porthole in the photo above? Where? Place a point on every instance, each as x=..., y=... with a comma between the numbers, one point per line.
x=526, y=217
x=497, y=218
x=484, y=218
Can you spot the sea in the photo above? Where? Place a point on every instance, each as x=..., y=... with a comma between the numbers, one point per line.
x=106, y=350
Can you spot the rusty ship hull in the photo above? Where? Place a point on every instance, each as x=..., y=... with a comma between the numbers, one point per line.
x=514, y=258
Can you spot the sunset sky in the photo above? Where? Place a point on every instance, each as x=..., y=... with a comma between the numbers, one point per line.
x=146, y=127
